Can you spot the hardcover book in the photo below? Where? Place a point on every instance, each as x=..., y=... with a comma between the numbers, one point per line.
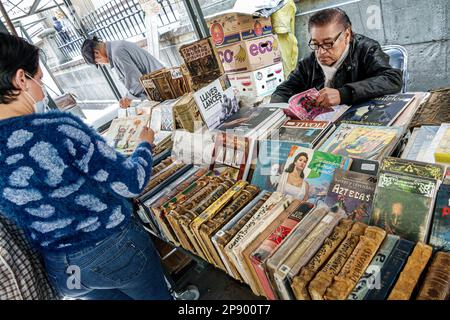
x=356, y=264
x=409, y=277
x=403, y=205
x=324, y=278
x=364, y=142
x=390, y=271
x=436, y=285
x=353, y=193
x=303, y=253
x=307, y=174
x=300, y=282
x=440, y=231
x=223, y=237
x=371, y=279
x=381, y=111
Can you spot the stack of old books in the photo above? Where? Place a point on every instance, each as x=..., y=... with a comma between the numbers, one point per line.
x=249, y=53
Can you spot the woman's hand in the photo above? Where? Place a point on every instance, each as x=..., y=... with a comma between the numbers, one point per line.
x=147, y=135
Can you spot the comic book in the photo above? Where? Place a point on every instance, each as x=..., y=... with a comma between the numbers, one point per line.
x=123, y=134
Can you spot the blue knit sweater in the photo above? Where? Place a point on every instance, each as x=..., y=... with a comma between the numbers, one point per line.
x=63, y=184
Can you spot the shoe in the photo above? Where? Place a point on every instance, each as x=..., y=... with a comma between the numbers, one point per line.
x=191, y=293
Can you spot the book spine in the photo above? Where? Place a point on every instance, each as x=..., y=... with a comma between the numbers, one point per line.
x=372, y=274
x=213, y=209
x=410, y=274
x=300, y=282
x=324, y=278
x=222, y=237
x=302, y=253
x=391, y=270
x=240, y=201
x=436, y=285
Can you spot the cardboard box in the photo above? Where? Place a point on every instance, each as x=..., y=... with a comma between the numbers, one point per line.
x=216, y=102
x=202, y=62
x=233, y=27
x=259, y=83
x=250, y=55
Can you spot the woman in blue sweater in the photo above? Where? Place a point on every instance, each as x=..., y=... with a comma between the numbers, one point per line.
x=70, y=191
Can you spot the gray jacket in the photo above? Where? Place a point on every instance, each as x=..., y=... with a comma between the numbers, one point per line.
x=130, y=63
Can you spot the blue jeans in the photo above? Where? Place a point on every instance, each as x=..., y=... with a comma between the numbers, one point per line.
x=124, y=266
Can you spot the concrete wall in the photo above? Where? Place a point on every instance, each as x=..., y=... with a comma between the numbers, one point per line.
x=422, y=27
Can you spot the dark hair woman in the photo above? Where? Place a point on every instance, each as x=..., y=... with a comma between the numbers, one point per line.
x=69, y=191
x=292, y=181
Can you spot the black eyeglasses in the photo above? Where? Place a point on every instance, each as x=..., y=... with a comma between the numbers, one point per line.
x=325, y=46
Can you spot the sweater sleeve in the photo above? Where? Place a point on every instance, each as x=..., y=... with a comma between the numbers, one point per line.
x=91, y=154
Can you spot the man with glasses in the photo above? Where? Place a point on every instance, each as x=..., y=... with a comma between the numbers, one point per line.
x=347, y=68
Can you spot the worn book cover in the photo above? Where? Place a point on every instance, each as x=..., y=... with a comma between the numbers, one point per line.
x=381, y=111
x=186, y=114
x=306, y=274
x=353, y=193
x=410, y=275
x=442, y=151
x=403, y=205
x=371, y=278
x=123, y=134
x=391, y=269
x=356, y=264
x=436, y=284
x=241, y=262
x=307, y=174
x=208, y=228
x=210, y=211
x=359, y=141
x=274, y=199
x=435, y=110
x=202, y=61
x=440, y=231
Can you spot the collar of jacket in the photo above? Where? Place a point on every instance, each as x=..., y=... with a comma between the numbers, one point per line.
x=346, y=65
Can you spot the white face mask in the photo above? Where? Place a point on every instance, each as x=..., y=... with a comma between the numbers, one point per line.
x=39, y=106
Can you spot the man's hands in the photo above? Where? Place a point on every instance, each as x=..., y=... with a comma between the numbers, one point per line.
x=328, y=97
x=147, y=135
x=125, y=103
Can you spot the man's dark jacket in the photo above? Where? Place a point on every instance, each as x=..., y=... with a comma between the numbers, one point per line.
x=364, y=74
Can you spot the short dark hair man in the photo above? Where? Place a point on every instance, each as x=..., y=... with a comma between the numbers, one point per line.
x=347, y=68
x=129, y=60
